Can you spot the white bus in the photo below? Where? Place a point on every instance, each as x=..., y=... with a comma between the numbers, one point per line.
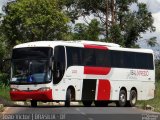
x=84, y=71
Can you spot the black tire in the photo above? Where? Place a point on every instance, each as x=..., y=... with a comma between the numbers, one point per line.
x=68, y=98
x=122, y=99
x=33, y=103
x=101, y=103
x=132, y=99
x=87, y=103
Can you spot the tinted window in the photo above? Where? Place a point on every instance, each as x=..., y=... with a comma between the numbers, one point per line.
x=59, y=64
x=144, y=61
x=88, y=57
x=32, y=53
x=102, y=58
x=123, y=59
x=73, y=56
x=129, y=60
x=116, y=59
x=150, y=61
x=108, y=58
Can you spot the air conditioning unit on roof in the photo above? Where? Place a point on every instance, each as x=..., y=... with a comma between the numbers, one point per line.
x=98, y=43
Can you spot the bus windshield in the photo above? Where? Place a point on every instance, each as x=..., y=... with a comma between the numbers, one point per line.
x=31, y=65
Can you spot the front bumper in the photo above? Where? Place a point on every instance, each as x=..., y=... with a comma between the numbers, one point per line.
x=31, y=95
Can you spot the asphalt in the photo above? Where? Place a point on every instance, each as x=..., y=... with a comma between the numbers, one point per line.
x=77, y=113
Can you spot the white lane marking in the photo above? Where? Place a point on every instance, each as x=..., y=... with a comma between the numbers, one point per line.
x=80, y=111
x=77, y=109
x=83, y=113
x=90, y=119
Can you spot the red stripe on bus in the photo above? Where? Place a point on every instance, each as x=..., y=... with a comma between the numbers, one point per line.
x=104, y=89
x=33, y=95
x=96, y=70
x=96, y=47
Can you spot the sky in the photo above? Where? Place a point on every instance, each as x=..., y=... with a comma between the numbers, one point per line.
x=2, y=2
x=153, y=6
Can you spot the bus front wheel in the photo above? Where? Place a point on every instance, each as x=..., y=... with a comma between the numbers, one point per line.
x=33, y=103
x=68, y=98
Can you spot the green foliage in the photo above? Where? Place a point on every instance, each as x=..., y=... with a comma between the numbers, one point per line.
x=32, y=20
x=132, y=23
x=80, y=31
x=5, y=93
x=4, y=79
x=93, y=30
x=157, y=66
x=2, y=48
x=137, y=23
x=152, y=41
x=115, y=35
x=124, y=27
x=87, y=32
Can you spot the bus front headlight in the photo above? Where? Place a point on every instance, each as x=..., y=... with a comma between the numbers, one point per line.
x=13, y=89
x=44, y=89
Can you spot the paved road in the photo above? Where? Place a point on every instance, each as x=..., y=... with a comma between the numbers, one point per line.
x=77, y=113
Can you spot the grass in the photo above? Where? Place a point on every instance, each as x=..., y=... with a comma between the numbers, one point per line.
x=153, y=102
x=4, y=95
x=4, y=92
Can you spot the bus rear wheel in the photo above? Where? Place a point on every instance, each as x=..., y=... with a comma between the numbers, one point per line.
x=33, y=103
x=68, y=98
x=122, y=98
x=133, y=98
x=87, y=103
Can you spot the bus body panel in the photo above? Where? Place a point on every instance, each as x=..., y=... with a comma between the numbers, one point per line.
x=95, y=82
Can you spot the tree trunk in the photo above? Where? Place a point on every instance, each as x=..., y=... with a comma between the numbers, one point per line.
x=106, y=19
x=113, y=11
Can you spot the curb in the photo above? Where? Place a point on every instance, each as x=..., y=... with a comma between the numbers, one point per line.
x=21, y=103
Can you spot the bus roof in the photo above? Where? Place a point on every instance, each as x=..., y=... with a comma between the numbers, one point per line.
x=81, y=43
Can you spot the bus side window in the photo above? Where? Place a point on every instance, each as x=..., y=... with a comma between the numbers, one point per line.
x=59, y=64
x=88, y=56
x=73, y=56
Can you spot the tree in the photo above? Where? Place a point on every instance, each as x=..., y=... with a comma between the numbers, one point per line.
x=94, y=30
x=137, y=23
x=3, y=45
x=32, y=20
x=122, y=25
x=80, y=30
x=87, y=32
